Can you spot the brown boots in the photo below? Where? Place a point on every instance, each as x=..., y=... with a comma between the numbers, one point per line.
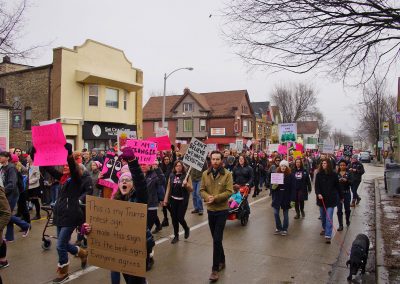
x=62, y=274
x=82, y=254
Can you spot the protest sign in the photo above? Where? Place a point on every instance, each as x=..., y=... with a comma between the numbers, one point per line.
x=163, y=142
x=145, y=151
x=297, y=154
x=110, y=171
x=249, y=143
x=232, y=146
x=282, y=149
x=273, y=147
x=211, y=147
x=196, y=154
x=287, y=132
x=117, y=241
x=299, y=147
x=183, y=148
x=162, y=132
x=328, y=148
x=123, y=136
x=348, y=150
x=277, y=178
x=311, y=147
x=49, y=142
x=239, y=145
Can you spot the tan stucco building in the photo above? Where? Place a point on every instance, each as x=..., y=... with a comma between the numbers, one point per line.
x=92, y=89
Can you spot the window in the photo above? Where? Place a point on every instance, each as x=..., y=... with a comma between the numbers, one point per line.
x=187, y=125
x=2, y=96
x=28, y=118
x=188, y=107
x=244, y=109
x=125, y=100
x=245, y=126
x=202, y=125
x=112, y=98
x=93, y=95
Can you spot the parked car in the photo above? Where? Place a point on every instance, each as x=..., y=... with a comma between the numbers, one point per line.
x=365, y=157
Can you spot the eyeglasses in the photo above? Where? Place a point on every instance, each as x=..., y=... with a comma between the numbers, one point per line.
x=125, y=180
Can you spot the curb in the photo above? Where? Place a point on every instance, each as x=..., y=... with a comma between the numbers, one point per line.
x=381, y=272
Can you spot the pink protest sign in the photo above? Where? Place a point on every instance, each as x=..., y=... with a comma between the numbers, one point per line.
x=111, y=171
x=49, y=141
x=163, y=142
x=299, y=147
x=282, y=149
x=145, y=151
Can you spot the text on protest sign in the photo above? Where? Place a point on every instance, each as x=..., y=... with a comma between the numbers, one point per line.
x=348, y=150
x=145, y=151
x=196, y=154
x=277, y=178
x=163, y=142
x=328, y=148
x=117, y=241
x=49, y=141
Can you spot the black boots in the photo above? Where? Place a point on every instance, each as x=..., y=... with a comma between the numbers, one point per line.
x=348, y=218
x=340, y=219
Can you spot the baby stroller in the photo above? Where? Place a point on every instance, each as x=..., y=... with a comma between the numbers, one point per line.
x=242, y=212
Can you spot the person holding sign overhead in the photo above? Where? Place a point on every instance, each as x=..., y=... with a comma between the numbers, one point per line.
x=216, y=188
x=283, y=193
x=67, y=214
x=178, y=188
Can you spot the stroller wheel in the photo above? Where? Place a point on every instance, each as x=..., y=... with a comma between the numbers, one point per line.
x=84, y=243
x=46, y=244
x=245, y=219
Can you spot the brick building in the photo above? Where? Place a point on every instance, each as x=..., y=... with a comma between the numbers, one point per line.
x=92, y=90
x=218, y=118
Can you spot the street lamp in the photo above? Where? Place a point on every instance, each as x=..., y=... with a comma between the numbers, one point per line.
x=165, y=88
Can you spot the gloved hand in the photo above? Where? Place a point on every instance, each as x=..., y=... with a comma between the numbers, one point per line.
x=292, y=204
x=68, y=146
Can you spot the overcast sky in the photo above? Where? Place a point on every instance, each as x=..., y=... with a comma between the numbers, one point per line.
x=160, y=36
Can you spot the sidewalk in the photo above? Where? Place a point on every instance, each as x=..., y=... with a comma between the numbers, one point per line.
x=388, y=236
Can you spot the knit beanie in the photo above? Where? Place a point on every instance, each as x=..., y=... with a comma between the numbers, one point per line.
x=125, y=175
x=284, y=163
x=98, y=164
x=127, y=154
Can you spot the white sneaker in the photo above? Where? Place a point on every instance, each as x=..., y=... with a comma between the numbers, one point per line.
x=283, y=233
x=277, y=232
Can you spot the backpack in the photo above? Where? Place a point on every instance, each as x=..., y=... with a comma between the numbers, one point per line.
x=21, y=182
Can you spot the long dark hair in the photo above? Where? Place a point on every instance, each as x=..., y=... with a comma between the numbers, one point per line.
x=301, y=164
x=328, y=170
x=183, y=168
x=245, y=160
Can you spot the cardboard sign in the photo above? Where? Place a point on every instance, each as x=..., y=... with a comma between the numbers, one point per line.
x=196, y=154
x=273, y=147
x=348, y=150
x=49, y=141
x=123, y=136
x=328, y=148
x=277, y=178
x=163, y=142
x=239, y=145
x=287, y=132
x=145, y=151
x=118, y=238
x=297, y=154
x=249, y=143
x=111, y=171
x=311, y=147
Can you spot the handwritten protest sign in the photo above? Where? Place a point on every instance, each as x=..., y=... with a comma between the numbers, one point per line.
x=239, y=145
x=348, y=150
x=282, y=149
x=273, y=147
x=123, y=136
x=145, y=151
x=196, y=154
x=117, y=241
x=328, y=148
x=163, y=142
x=49, y=141
x=110, y=171
x=277, y=178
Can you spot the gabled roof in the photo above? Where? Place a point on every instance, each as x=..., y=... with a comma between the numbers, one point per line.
x=223, y=103
x=153, y=108
x=201, y=101
x=307, y=127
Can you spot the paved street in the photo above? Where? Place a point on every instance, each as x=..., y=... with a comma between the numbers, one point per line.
x=253, y=253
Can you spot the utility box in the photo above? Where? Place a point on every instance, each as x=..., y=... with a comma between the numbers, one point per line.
x=392, y=179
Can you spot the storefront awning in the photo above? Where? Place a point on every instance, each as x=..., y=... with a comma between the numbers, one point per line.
x=220, y=140
x=90, y=78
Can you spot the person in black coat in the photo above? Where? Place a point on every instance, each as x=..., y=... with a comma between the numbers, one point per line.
x=327, y=190
x=356, y=170
x=166, y=167
x=283, y=197
x=242, y=173
x=258, y=170
x=302, y=184
x=67, y=213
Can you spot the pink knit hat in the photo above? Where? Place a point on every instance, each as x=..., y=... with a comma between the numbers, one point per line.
x=14, y=158
x=98, y=164
x=125, y=175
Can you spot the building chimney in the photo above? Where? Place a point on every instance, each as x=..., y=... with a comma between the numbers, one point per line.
x=6, y=59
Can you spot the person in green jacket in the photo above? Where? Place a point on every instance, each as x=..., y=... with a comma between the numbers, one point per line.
x=216, y=188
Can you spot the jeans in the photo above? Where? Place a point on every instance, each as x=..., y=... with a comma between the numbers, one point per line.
x=278, y=222
x=354, y=188
x=178, y=211
x=14, y=220
x=129, y=279
x=54, y=192
x=63, y=245
x=197, y=202
x=327, y=219
x=216, y=222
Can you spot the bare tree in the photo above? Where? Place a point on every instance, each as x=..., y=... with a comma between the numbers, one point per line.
x=294, y=101
x=11, y=25
x=343, y=37
x=375, y=107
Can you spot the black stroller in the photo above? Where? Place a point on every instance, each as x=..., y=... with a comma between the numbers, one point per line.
x=242, y=212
